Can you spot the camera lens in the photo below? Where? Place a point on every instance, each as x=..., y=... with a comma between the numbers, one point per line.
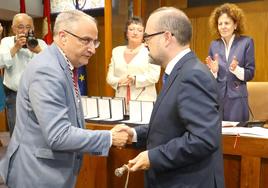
x=32, y=42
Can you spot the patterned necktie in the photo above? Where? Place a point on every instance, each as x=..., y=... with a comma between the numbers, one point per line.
x=74, y=74
x=164, y=78
x=75, y=80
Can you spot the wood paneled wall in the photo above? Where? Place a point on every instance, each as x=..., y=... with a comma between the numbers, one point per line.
x=257, y=27
x=96, y=68
x=3, y=121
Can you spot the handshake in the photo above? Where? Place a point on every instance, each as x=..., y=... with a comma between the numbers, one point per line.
x=121, y=135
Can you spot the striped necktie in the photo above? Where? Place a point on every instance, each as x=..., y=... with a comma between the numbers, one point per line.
x=75, y=80
x=74, y=74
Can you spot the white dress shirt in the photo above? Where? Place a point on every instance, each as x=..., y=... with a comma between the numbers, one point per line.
x=14, y=66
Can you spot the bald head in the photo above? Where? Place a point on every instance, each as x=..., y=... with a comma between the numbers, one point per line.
x=21, y=16
x=175, y=21
x=22, y=23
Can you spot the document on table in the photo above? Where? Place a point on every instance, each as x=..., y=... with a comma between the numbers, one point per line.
x=246, y=131
x=104, y=109
x=117, y=109
x=146, y=109
x=91, y=106
x=134, y=112
x=229, y=123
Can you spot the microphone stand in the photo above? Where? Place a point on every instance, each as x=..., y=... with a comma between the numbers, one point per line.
x=250, y=123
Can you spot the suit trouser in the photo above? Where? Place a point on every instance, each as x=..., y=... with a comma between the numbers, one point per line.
x=11, y=108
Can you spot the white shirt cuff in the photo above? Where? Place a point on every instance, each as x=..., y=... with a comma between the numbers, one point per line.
x=111, y=139
x=239, y=72
x=134, y=139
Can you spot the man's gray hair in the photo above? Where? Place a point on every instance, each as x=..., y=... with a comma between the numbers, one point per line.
x=176, y=22
x=68, y=19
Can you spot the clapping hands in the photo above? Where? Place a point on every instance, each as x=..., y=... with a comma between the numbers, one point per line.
x=233, y=64
x=213, y=65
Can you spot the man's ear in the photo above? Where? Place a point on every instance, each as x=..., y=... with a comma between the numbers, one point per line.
x=168, y=36
x=62, y=36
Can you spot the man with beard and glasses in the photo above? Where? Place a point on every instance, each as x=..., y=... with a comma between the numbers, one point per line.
x=183, y=138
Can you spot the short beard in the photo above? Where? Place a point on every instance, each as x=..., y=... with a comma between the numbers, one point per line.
x=154, y=61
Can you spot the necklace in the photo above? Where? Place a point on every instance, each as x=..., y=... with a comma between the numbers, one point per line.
x=132, y=50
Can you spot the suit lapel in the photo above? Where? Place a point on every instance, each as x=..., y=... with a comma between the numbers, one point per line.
x=233, y=50
x=66, y=70
x=222, y=53
x=174, y=73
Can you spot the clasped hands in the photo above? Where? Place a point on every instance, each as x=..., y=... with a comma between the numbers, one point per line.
x=128, y=80
x=122, y=135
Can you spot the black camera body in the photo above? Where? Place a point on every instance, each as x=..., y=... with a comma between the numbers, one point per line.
x=31, y=41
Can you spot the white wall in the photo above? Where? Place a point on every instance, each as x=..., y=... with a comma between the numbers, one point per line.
x=10, y=7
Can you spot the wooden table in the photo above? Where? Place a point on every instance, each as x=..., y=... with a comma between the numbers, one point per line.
x=245, y=165
x=98, y=172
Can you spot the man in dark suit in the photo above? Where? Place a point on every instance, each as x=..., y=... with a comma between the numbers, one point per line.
x=183, y=137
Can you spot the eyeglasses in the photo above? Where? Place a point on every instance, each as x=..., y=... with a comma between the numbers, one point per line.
x=21, y=27
x=146, y=36
x=86, y=40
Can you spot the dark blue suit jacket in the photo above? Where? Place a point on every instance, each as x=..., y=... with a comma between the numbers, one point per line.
x=243, y=49
x=230, y=87
x=184, y=133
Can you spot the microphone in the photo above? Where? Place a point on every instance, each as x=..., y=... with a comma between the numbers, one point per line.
x=140, y=93
x=120, y=171
x=250, y=123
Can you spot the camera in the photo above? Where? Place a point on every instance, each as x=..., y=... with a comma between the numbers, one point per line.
x=31, y=41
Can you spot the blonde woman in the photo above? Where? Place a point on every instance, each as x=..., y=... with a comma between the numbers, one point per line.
x=130, y=73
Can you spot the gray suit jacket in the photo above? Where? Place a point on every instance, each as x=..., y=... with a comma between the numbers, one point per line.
x=48, y=141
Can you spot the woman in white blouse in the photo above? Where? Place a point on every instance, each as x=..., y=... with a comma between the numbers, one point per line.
x=130, y=72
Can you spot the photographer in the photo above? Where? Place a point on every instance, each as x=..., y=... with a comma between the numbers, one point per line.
x=16, y=52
